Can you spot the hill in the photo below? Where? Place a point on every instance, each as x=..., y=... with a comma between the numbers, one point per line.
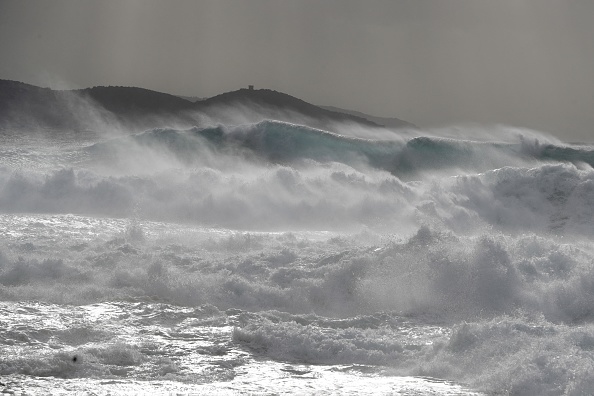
x=25, y=106
x=277, y=101
x=388, y=122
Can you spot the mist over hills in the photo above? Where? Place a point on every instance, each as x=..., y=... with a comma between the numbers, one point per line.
x=388, y=122
x=27, y=107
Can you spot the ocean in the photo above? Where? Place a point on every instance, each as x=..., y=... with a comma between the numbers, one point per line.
x=272, y=258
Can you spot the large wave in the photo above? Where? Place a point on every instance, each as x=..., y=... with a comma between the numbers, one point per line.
x=448, y=257
x=549, y=198
x=280, y=142
x=274, y=175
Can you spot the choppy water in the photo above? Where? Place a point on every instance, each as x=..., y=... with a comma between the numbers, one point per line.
x=274, y=258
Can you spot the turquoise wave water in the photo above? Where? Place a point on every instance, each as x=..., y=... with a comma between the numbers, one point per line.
x=283, y=143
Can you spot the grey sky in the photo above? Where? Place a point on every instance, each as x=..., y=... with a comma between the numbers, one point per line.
x=528, y=63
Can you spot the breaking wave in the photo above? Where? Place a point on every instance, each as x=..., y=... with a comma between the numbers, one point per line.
x=450, y=258
x=280, y=142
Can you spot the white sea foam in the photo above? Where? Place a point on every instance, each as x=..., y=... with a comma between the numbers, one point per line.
x=197, y=258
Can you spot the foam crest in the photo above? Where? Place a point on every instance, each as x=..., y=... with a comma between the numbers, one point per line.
x=554, y=199
x=281, y=142
x=533, y=357
x=432, y=272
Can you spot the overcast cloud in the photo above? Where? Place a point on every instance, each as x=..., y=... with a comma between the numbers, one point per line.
x=528, y=63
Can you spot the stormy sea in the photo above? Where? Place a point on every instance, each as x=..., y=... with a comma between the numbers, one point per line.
x=276, y=258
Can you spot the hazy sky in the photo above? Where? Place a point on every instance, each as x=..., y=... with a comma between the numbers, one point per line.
x=527, y=63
